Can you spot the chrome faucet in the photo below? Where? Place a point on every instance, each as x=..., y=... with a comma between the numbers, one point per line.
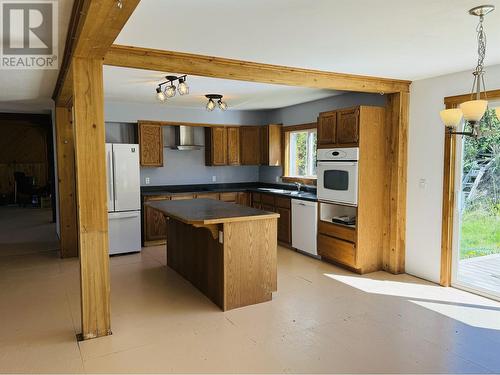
x=298, y=184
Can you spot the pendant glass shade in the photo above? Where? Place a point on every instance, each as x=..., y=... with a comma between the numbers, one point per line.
x=170, y=91
x=210, y=105
x=222, y=105
x=160, y=95
x=183, y=87
x=451, y=117
x=473, y=110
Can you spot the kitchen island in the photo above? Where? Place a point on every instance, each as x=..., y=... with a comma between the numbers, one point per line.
x=228, y=251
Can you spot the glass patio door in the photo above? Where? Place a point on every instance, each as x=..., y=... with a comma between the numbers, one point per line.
x=476, y=256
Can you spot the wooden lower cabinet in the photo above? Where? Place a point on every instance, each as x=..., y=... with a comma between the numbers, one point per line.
x=284, y=225
x=179, y=197
x=154, y=223
x=207, y=195
x=337, y=250
x=231, y=197
x=245, y=199
x=280, y=205
x=155, y=226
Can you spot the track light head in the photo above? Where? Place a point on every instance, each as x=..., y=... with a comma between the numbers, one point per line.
x=210, y=105
x=170, y=91
x=183, y=88
x=222, y=105
x=160, y=95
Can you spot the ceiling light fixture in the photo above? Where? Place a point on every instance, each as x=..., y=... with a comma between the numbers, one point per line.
x=473, y=110
x=160, y=95
x=212, y=99
x=170, y=90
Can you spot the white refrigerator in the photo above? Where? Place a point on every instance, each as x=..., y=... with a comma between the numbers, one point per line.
x=124, y=202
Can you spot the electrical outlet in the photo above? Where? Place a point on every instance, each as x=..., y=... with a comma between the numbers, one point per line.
x=147, y=180
x=277, y=178
x=214, y=178
x=422, y=183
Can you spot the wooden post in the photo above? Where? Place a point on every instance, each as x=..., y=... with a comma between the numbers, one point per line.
x=89, y=134
x=66, y=183
x=397, y=151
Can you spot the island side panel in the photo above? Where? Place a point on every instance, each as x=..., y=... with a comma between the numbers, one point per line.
x=250, y=262
x=196, y=256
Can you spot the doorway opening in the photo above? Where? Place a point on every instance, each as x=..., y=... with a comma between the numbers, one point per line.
x=27, y=196
x=476, y=257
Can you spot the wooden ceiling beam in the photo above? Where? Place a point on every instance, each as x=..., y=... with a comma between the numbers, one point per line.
x=217, y=67
x=93, y=28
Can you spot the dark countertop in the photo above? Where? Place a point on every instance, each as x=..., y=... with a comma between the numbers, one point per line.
x=307, y=193
x=209, y=211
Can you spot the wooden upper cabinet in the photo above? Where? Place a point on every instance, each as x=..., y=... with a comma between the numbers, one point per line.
x=250, y=144
x=233, y=145
x=271, y=145
x=327, y=127
x=339, y=128
x=216, y=145
x=348, y=126
x=150, y=144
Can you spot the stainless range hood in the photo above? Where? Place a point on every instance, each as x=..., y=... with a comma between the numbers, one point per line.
x=184, y=138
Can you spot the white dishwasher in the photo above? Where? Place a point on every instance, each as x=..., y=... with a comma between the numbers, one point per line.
x=304, y=225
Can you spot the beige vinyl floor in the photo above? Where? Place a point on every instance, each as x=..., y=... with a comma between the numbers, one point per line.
x=322, y=319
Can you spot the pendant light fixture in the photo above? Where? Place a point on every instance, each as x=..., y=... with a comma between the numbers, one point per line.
x=473, y=110
x=162, y=94
x=212, y=100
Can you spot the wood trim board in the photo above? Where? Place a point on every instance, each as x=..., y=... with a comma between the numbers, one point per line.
x=449, y=175
x=93, y=27
x=285, y=152
x=218, y=67
x=196, y=124
x=66, y=182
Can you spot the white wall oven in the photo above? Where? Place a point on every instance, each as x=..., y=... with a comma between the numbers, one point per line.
x=338, y=175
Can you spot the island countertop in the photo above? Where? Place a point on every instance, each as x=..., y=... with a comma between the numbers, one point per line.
x=209, y=211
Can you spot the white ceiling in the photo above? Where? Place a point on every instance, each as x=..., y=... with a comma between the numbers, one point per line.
x=135, y=85
x=405, y=39
x=31, y=90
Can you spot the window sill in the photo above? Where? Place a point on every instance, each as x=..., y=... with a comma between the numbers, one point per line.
x=302, y=180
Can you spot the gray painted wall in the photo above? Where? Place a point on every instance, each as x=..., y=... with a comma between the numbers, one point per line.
x=132, y=112
x=180, y=167
x=188, y=167
x=308, y=112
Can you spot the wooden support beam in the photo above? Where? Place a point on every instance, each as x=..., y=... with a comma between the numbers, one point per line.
x=88, y=102
x=66, y=182
x=397, y=143
x=209, y=66
x=450, y=146
x=93, y=28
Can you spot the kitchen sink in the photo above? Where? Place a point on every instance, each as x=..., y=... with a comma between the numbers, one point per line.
x=280, y=191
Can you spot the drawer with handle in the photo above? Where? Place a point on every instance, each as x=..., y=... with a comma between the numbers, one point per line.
x=339, y=231
x=337, y=250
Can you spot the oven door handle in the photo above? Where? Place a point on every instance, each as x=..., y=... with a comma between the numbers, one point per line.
x=337, y=163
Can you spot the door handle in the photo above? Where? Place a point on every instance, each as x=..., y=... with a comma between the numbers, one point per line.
x=111, y=177
x=114, y=167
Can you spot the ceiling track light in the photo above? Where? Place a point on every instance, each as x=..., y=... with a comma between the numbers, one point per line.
x=167, y=89
x=475, y=109
x=215, y=100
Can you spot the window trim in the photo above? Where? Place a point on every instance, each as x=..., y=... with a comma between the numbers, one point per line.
x=286, y=153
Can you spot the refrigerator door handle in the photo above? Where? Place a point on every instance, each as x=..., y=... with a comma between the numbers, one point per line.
x=113, y=171
x=124, y=216
x=111, y=180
